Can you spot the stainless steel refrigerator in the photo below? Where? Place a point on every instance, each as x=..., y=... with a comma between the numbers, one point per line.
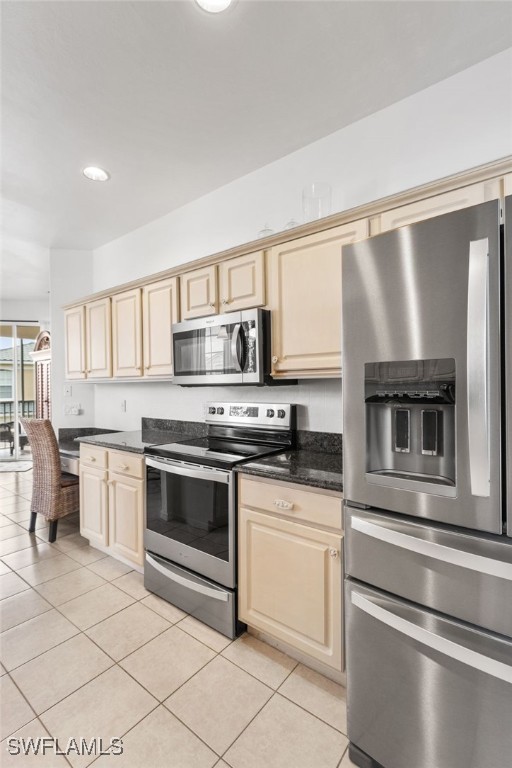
x=427, y=390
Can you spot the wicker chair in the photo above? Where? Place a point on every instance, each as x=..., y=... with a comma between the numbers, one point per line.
x=54, y=493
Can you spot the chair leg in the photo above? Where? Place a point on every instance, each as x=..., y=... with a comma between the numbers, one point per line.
x=32, y=526
x=52, y=535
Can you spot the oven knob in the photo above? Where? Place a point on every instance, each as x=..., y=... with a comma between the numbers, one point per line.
x=270, y=413
x=211, y=409
x=281, y=414
x=220, y=411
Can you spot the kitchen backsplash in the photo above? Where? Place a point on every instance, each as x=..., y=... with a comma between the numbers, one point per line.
x=319, y=402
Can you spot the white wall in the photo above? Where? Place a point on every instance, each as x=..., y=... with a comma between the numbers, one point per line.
x=30, y=310
x=70, y=278
x=455, y=125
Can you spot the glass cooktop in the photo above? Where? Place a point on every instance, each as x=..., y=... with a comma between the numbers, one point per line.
x=213, y=451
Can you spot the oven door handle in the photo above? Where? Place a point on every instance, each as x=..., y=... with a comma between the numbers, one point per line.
x=216, y=594
x=202, y=473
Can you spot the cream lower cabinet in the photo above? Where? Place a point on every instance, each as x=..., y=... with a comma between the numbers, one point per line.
x=291, y=573
x=304, y=294
x=125, y=514
x=94, y=505
x=112, y=494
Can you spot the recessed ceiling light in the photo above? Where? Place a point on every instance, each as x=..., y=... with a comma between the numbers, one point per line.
x=96, y=174
x=214, y=6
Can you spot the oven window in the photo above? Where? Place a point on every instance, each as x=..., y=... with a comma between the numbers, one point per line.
x=204, y=351
x=189, y=510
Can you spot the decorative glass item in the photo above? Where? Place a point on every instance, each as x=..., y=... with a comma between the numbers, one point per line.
x=316, y=200
x=266, y=231
x=292, y=224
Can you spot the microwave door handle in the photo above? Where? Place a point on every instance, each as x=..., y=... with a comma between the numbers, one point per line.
x=477, y=367
x=236, y=346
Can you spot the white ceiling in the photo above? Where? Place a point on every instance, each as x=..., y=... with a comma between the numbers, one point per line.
x=175, y=102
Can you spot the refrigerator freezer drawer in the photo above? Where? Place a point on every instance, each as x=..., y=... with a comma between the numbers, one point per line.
x=425, y=691
x=463, y=575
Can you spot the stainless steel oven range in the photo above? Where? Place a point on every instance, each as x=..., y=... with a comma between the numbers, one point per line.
x=190, y=533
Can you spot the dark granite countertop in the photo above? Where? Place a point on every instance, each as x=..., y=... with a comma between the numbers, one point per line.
x=69, y=448
x=314, y=468
x=135, y=441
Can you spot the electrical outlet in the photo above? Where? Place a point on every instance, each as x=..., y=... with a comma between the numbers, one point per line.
x=73, y=409
x=68, y=390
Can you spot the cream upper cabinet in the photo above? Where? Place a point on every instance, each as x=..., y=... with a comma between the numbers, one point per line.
x=74, y=339
x=127, y=333
x=304, y=282
x=507, y=185
x=98, y=339
x=159, y=312
x=437, y=205
x=242, y=282
x=198, y=293
x=290, y=573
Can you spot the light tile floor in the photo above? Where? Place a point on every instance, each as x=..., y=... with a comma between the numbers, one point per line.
x=87, y=652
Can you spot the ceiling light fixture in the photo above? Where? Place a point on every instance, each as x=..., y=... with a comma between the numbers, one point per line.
x=96, y=174
x=214, y=6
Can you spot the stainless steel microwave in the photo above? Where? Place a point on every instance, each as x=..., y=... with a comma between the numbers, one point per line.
x=233, y=348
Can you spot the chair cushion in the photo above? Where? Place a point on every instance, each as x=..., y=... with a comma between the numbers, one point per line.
x=66, y=479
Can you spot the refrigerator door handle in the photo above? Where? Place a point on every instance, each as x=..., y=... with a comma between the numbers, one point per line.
x=477, y=367
x=433, y=640
x=450, y=555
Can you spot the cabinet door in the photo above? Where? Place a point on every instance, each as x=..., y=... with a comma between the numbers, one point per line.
x=439, y=204
x=305, y=299
x=159, y=312
x=94, y=505
x=74, y=339
x=127, y=333
x=242, y=282
x=198, y=293
x=99, y=339
x=126, y=517
x=290, y=580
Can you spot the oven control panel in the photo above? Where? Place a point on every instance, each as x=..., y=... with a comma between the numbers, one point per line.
x=276, y=415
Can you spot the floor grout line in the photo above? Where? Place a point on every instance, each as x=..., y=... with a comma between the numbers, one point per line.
x=114, y=662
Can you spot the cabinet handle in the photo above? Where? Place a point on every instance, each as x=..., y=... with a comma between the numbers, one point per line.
x=211, y=304
x=282, y=504
x=91, y=458
x=123, y=467
x=225, y=301
x=275, y=359
x=333, y=553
